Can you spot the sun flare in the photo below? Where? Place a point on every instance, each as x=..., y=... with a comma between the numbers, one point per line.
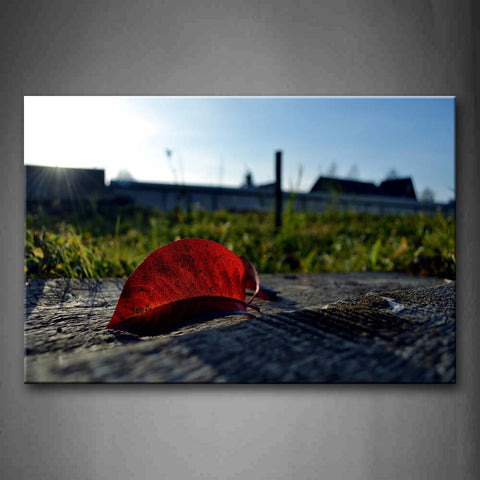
x=86, y=132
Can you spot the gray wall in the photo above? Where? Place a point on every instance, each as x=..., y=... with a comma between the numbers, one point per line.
x=339, y=47
x=168, y=197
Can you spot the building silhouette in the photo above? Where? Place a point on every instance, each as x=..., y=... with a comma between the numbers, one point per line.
x=66, y=188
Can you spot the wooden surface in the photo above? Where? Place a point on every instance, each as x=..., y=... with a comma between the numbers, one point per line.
x=353, y=328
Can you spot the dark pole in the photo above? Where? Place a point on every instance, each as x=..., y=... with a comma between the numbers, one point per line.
x=278, y=190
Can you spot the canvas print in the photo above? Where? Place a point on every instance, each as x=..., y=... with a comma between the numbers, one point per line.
x=239, y=239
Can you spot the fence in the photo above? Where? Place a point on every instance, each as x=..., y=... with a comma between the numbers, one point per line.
x=168, y=197
x=48, y=185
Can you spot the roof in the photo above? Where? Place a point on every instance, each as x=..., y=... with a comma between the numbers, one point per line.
x=44, y=183
x=398, y=187
x=337, y=185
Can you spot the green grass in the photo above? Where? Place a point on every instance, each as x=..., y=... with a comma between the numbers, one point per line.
x=112, y=245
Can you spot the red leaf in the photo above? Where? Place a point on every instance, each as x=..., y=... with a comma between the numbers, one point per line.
x=253, y=283
x=252, y=280
x=184, y=280
x=266, y=293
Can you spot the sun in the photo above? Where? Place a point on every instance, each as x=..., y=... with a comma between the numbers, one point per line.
x=83, y=132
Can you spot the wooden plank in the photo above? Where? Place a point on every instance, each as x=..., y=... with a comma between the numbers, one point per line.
x=324, y=328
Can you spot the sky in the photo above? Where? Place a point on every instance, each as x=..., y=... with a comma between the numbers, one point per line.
x=216, y=140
